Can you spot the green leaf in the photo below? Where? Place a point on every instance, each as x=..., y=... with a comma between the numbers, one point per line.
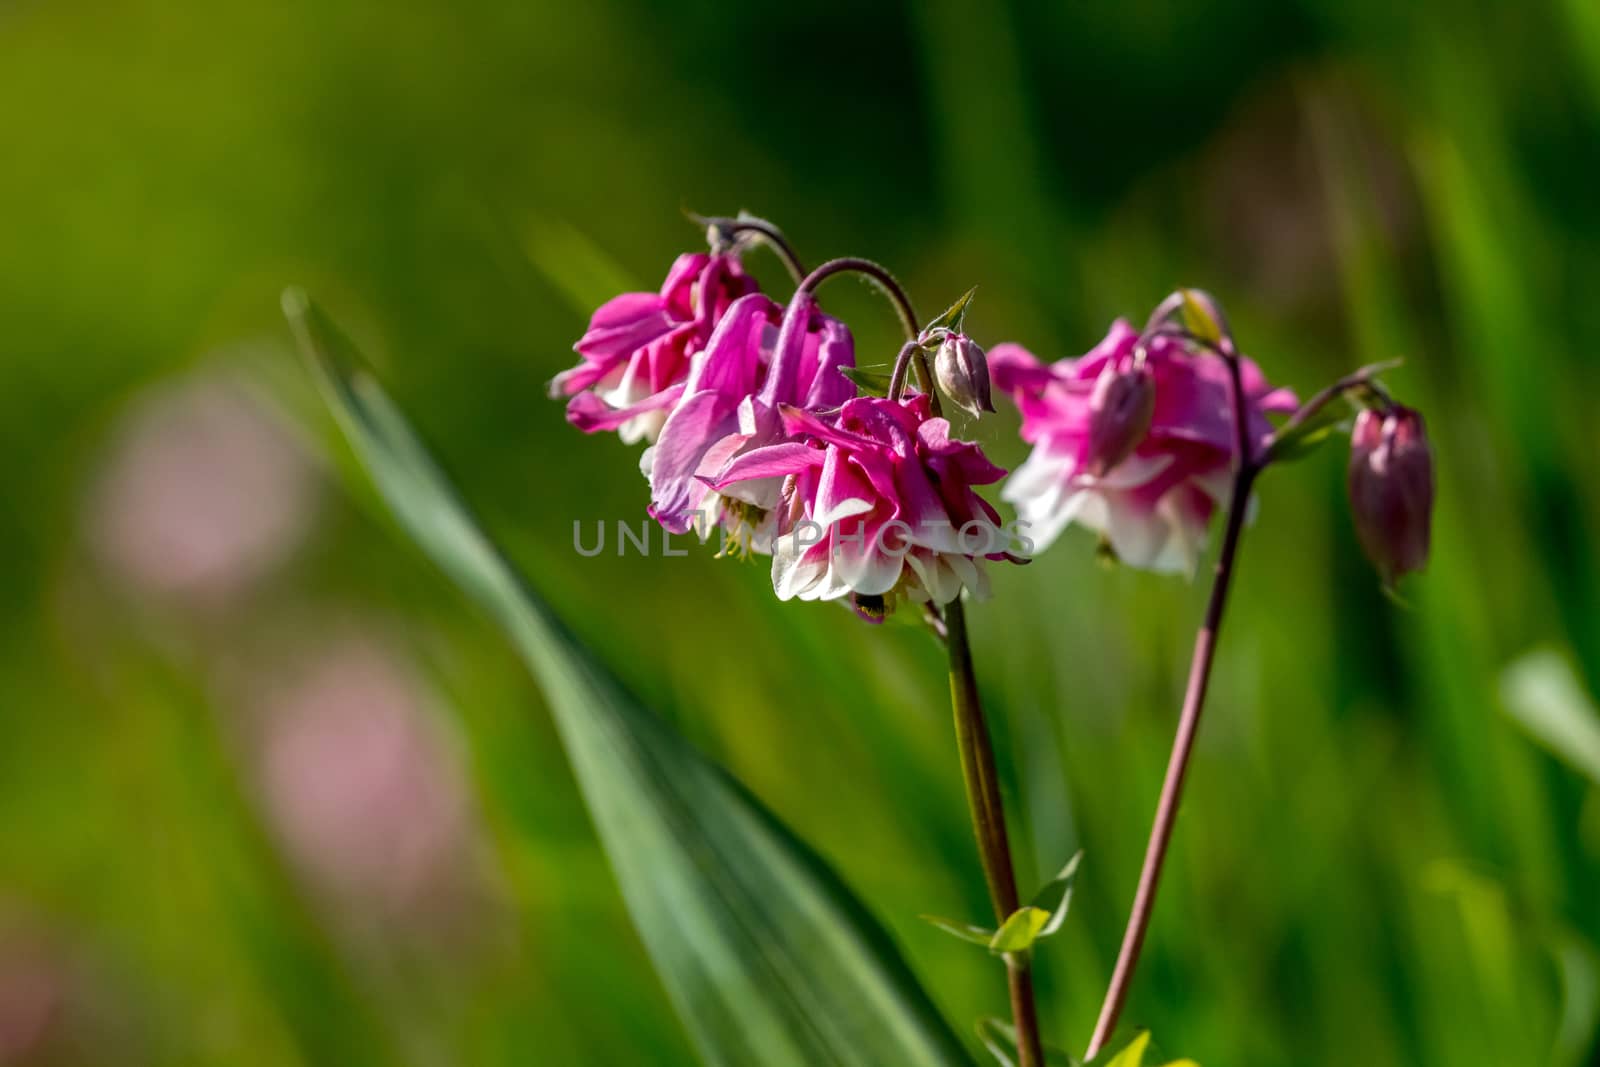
x=1020, y=930
x=870, y=382
x=1308, y=436
x=1543, y=695
x=1000, y=1038
x=954, y=317
x=1197, y=319
x=1329, y=414
x=1056, y=896
x=1132, y=1055
x=978, y=935
x=765, y=953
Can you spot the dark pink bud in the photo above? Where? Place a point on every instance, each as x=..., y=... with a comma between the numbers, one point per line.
x=963, y=373
x=1391, y=489
x=1121, y=408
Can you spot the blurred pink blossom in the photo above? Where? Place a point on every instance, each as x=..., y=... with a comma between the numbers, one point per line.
x=33, y=989
x=203, y=493
x=358, y=781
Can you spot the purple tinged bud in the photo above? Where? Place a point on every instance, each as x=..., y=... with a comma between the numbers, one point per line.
x=1391, y=489
x=963, y=374
x=1121, y=408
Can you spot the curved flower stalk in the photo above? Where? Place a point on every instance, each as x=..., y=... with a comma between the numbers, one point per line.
x=1147, y=481
x=878, y=506
x=1148, y=472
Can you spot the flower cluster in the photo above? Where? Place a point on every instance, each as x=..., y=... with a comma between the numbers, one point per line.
x=755, y=429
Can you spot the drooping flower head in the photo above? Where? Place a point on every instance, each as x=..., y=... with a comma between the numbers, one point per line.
x=762, y=357
x=877, y=503
x=1391, y=489
x=637, y=350
x=1152, y=501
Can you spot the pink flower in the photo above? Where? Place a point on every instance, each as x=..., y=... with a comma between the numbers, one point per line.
x=755, y=363
x=878, y=502
x=637, y=350
x=1154, y=504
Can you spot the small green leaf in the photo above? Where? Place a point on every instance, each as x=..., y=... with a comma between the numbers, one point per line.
x=1000, y=1038
x=954, y=316
x=1132, y=1055
x=1324, y=414
x=870, y=382
x=1056, y=896
x=1020, y=930
x=1309, y=435
x=1197, y=319
x=978, y=935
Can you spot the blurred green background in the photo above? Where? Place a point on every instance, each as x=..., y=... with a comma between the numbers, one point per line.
x=271, y=793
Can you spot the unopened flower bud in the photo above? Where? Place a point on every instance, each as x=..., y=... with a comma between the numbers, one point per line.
x=1391, y=489
x=963, y=373
x=1121, y=408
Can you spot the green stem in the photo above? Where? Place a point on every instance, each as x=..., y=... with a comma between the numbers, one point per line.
x=1194, y=700
x=972, y=732
x=989, y=824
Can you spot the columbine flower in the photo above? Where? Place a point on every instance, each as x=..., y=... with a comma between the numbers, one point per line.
x=1152, y=505
x=637, y=350
x=761, y=357
x=1391, y=489
x=877, y=503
